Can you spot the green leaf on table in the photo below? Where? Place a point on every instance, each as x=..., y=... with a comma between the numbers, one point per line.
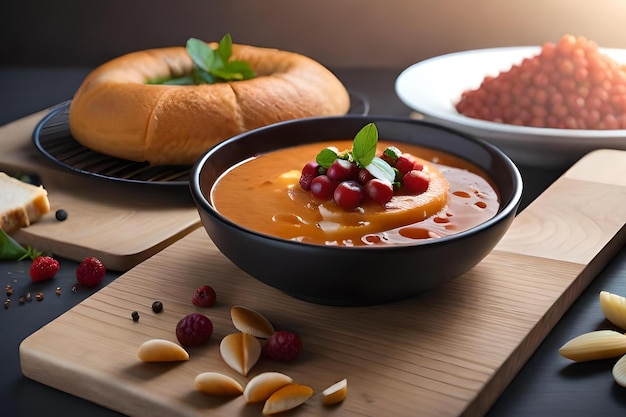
x=11, y=250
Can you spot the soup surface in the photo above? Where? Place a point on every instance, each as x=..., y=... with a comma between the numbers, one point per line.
x=263, y=194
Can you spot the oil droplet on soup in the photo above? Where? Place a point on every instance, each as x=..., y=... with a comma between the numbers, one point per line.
x=263, y=194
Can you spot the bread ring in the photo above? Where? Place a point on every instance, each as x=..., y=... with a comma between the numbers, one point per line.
x=115, y=111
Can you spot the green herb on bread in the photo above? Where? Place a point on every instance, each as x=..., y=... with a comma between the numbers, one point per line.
x=212, y=65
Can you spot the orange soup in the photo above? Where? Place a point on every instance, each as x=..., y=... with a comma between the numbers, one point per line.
x=263, y=194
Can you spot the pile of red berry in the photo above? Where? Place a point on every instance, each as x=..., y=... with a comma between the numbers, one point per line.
x=348, y=184
x=568, y=85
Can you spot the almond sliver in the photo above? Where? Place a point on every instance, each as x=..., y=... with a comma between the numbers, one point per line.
x=214, y=383
x=263, y=385
x=619, y=371
x=250, y=321
x=335, y=393
x=599, y=344
x=161, y=350
x=288, y=397
x=613, y=307
x=240, y=351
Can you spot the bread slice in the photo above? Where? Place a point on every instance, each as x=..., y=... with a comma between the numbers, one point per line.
x=21, y=204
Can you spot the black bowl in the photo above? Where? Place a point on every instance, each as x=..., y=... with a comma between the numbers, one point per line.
x=354, y=276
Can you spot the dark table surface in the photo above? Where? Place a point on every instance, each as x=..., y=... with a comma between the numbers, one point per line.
x=548, y=385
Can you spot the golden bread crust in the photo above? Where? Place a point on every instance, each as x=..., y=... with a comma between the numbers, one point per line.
x=116, y=112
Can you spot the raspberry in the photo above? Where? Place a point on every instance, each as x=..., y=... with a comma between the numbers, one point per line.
x=204, y=296
x=415, y=181
x=43, y=268
x=323, y=187
x=194, y=329
x=90, y=272
x=348, y=195
x=364, y=176
x=342, y=170
x=310, y=171
x=405, y=163
x=378, y=190
x=283, y=346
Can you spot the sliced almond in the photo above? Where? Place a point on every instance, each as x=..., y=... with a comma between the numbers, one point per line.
x=161, y=350
x=288, y=397
x=599, y=344
x=240, y=351
x=263, y=385
x=614, y=308
x=214, y=383
x=335, y=393
x=252, y=322
x=619, y=371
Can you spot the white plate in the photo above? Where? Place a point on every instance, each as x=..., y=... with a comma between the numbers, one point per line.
x=432, y=88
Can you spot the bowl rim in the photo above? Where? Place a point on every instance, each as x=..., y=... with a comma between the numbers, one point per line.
x=504, y=212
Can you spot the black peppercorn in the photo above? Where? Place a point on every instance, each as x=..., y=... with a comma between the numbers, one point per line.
x=157, y=306
x=61, y=215
x=135, y=316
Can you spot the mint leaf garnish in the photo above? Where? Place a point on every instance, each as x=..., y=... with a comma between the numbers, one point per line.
x=201, y=54
x=212, y=65
x=225, y=48
x=392, y=152
x=326, y=157
x=363, y=154
x=364, y=145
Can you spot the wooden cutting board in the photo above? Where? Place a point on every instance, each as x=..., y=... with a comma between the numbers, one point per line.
x=448, y=352
x=121, y=224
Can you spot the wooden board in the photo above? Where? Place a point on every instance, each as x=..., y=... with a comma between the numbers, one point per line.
x=448, y=352
x=121, y=224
